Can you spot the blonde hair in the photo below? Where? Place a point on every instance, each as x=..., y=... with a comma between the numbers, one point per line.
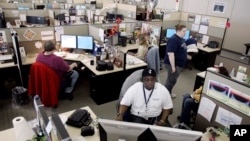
x=142, y=39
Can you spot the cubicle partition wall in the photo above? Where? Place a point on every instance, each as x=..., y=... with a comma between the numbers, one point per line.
x=209, y=28
x=231, y=63
x=126, y=10
x=170, y=20
x=154, y=28
x=21, y=6
x=224, y=102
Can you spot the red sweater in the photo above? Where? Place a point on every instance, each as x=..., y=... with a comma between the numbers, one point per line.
x=44, y=82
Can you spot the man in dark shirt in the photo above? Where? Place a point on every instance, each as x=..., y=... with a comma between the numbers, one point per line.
x=176, y=57
x=61, y=67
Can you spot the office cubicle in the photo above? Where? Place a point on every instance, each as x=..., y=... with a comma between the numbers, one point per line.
x=224, y=102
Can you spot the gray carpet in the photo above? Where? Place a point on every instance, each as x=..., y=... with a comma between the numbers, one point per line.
x=10, y=110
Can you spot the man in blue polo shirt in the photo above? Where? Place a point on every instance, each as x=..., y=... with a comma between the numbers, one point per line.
x=176, y=57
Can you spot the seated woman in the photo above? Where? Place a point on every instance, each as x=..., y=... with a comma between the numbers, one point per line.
x=191, y=101
x=143, y=46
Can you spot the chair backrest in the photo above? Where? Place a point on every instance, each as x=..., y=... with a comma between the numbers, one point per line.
x=153, y=59
x=130, y=80
x=45, y=82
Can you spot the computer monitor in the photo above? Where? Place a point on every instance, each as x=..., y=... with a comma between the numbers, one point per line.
x=60, y=17
x=68, y=41
x=43, y=119
x=40, y=6
x=31, y=19
x=59, y=132
x=40, y=20
x=85, y=42
x=119, y=16
x=111, y=130
x=170, y=32
x=111, y=16
x=174, y=134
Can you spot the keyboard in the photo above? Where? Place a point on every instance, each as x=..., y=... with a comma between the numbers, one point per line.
x=5, y=57
x=72, y=55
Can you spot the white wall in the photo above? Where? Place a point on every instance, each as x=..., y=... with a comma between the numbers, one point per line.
x=206, y=7
x=166, y=4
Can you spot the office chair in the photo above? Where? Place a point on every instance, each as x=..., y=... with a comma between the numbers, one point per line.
x=153, y=59
x=45, y=82
x=246, y=56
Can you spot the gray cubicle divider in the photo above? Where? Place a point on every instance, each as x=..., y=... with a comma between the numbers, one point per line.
x=126, y=10
x=82, y=29
x=8, y=5
x=230, y=63
x=7, y=34
x=94, y=31
x=41, y=13
x=32, y=31
x=201, y=123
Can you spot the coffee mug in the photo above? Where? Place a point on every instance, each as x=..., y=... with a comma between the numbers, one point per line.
x=92, y=62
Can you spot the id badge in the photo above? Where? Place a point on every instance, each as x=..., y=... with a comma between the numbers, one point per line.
x=146, y=114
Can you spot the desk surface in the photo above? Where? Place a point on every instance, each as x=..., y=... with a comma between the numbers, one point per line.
x=128, y=47
x=207, y=49
x=85, y=59
x=202, y=74
x=73, y=132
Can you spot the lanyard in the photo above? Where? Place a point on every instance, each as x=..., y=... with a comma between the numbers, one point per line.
x=146, y=101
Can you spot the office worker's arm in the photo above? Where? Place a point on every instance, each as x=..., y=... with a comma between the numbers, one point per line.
x=122, y=110
x=164, y=117
x=172, y=61
x=72, y=66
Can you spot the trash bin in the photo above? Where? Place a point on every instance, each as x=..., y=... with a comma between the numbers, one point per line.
x=122, y=40
x=20, y=95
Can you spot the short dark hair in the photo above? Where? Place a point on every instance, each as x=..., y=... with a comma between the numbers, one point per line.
x=49, y=46
x=223, y=71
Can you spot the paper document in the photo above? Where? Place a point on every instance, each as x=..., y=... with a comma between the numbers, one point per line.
x=195, y=27
x=205, y=39
x=206, y=108
x=72, y=56
x=227, y=118
x=131, y=60
x=59, y=30
x=47, y=35
x=203, y=29
x=197, y=19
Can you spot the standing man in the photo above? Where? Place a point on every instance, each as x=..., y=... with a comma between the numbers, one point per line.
x=176, y=57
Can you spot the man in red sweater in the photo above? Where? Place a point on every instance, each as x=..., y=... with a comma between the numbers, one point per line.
x=61, y=67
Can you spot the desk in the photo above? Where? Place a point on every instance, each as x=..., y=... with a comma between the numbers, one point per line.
x=129, y=47
x=207, y=135
x=9, y=134
x=205, y=58
x=105, y=86
x=199, y=80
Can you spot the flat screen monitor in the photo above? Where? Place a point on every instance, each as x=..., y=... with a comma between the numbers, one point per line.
x=59, y=132
x=60, y=17
x=119, y=16
x=40, y=6
x=174, y=134
x=111, y=130
x=170, y=32
x=40, y=20
x=42, y=119
x=111, y=16
x=68, y=41
x=85, y=42
x=31, y=19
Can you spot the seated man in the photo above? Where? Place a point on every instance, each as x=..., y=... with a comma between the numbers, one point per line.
x=191, y=101
x=65, y=71
x=150, y=101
